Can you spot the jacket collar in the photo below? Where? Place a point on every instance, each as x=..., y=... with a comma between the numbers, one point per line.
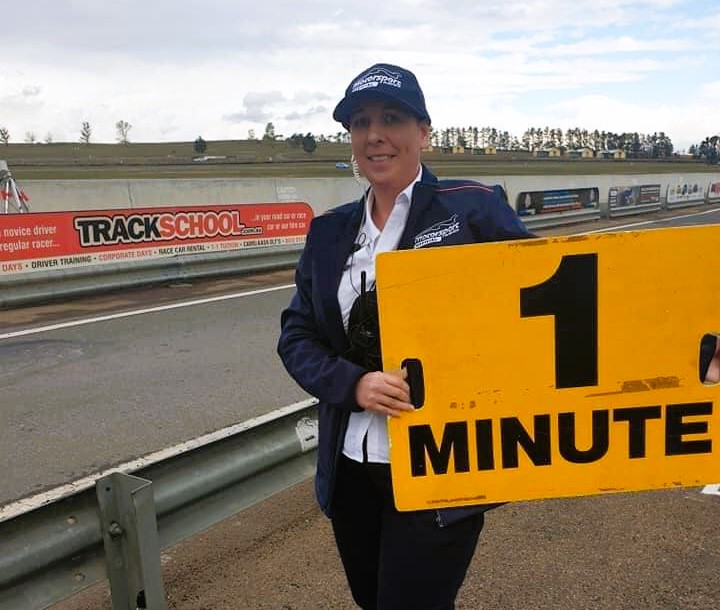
x=335, y=239
x=421, y=201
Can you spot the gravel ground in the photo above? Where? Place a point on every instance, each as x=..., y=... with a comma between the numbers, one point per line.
x=655, y=550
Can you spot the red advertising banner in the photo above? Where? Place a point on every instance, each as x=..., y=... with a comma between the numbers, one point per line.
x=40, y=241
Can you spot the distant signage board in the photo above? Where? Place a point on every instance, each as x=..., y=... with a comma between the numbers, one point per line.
x=631, y=196
x=714, y=192
x=688, y=191
x=556, y=200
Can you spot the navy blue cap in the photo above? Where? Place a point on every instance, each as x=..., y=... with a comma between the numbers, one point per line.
x=383, y=82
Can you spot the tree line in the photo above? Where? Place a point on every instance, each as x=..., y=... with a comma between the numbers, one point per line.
x=708, y=149
x=635, y=145
x=122, y=131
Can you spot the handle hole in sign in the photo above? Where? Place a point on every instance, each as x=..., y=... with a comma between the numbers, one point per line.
x=415, y=380
x=709, y=368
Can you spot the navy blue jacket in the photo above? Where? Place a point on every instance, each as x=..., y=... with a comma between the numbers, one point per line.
x=446, y=212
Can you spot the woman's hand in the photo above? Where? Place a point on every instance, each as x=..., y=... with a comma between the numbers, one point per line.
x=384, y=393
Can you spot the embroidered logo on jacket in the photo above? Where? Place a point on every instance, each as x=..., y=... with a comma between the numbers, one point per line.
x=437, y=232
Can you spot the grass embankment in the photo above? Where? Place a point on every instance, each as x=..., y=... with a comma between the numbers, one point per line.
x=265, y=159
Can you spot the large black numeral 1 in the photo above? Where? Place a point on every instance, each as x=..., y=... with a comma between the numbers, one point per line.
x=571, y=296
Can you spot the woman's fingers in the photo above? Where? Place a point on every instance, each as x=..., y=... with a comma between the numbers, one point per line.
x=383, y=393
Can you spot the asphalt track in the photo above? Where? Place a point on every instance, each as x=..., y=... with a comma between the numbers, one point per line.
x=78, y=398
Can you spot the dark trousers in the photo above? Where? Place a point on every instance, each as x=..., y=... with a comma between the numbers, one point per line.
x=396, y=560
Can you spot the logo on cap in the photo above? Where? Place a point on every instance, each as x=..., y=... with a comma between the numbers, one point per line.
x=376, y=77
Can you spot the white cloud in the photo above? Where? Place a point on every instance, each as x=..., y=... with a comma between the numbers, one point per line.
x=174, y=69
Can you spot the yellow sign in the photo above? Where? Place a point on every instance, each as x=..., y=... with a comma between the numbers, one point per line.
x=553, y=367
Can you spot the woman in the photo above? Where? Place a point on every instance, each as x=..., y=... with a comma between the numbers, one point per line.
x=330, y=345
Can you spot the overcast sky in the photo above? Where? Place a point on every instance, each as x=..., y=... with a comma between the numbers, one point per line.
x=176, y=69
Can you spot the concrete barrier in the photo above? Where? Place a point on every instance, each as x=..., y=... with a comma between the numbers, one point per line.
x=320, y=193
x=65, y=195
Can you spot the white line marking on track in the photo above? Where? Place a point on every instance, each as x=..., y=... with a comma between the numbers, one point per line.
x=8, y=511
x=139, y=312
x=713, y=490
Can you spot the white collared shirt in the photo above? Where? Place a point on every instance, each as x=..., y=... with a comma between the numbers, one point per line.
x=372, y=242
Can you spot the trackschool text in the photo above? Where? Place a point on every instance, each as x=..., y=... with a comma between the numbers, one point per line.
x=538, y=444
x=139, y=228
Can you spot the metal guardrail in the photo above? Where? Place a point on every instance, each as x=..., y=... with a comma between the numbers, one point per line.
x=34, y=287
x=543, y=221
x=109, y=530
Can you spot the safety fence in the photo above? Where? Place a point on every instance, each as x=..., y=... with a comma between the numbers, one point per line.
x=115, y=527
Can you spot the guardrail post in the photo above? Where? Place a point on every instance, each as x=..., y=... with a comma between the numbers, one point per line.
x=130, y=537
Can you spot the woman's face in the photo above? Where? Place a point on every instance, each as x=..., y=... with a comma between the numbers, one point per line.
x=386, y=142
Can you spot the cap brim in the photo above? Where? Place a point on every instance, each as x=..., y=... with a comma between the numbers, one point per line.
x=344, y=110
